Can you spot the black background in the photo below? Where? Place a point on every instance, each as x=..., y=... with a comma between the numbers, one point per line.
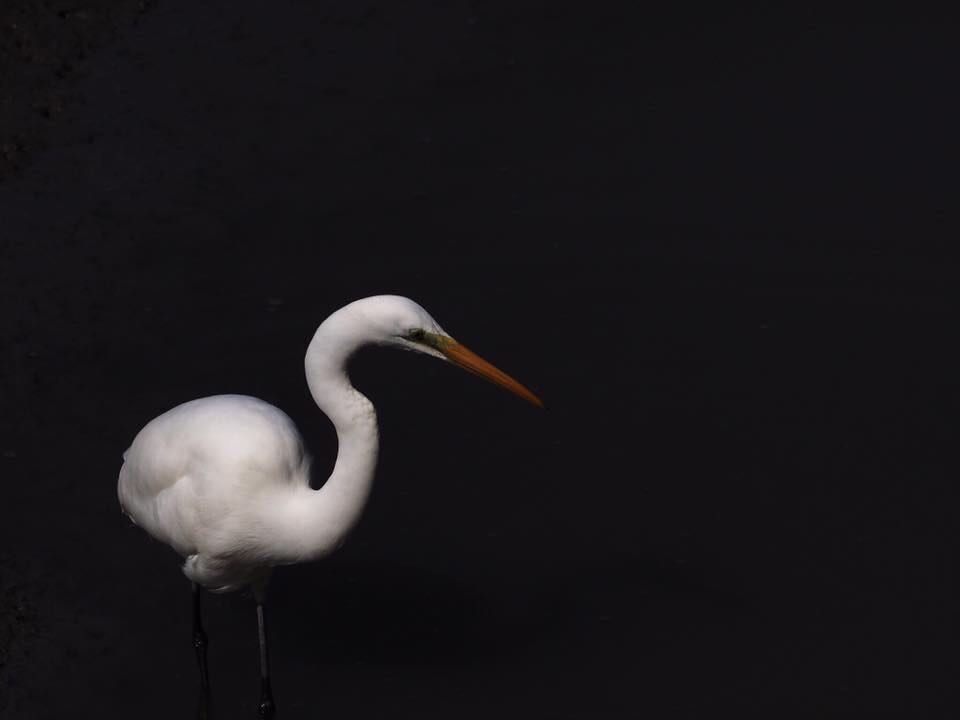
x=715, y=244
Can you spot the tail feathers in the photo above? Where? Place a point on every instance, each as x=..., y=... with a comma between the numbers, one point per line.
x=210, y=576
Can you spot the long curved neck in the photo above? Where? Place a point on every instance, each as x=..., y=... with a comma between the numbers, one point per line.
x=327, y=515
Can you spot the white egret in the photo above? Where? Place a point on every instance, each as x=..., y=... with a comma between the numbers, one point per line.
x=225, y=481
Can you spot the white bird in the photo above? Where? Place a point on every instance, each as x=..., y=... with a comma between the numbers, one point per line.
x=225, y=480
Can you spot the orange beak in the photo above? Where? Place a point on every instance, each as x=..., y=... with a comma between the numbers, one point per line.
x=470, y=361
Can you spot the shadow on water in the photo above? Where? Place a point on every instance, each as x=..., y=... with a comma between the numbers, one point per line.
x=402, y=615
x=387, y=614
x=354, y=619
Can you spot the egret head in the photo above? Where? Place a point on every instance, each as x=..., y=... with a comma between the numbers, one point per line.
x=400, y=322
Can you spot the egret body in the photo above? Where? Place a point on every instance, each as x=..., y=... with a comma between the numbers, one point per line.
x=225, y=480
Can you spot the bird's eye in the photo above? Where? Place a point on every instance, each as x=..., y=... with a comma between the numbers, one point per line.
x=416, y=335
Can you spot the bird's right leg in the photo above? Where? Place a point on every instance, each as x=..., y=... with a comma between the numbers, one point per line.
x=200, y=640
x=267, y=706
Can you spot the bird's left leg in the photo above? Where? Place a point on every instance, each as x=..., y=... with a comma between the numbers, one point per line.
x=200, y=640
x=267, y=706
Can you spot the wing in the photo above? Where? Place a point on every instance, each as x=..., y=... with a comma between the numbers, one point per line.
x=194, y=468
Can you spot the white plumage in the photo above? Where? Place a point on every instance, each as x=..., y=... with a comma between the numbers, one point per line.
x=225, y=480
x=211, y=478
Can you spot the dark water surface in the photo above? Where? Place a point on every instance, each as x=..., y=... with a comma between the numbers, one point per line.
x=715, y=248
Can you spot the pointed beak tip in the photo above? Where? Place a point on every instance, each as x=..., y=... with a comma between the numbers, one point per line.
x=471, y=362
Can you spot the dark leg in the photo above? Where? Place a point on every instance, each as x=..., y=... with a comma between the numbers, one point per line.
x=200, y=640
x=204, y=711
x=267, y=708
